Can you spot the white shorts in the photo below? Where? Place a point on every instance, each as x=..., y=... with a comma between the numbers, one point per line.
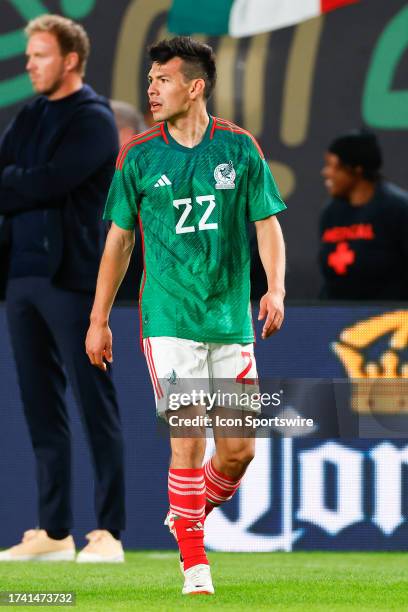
x=223, y=374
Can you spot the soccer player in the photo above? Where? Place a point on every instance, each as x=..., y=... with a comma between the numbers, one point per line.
x=192, y=182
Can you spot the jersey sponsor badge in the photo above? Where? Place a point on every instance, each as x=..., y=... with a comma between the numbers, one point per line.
x=224, y=175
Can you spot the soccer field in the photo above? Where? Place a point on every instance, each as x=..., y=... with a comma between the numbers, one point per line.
x=257, y=581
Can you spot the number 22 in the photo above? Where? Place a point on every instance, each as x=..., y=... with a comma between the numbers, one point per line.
x=202, y=224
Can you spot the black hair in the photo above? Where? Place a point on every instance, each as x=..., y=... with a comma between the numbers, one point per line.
x=359, y=148
x=198, y=59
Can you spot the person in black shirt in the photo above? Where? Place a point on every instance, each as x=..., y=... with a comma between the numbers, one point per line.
x=56, y=161
x=364, y=228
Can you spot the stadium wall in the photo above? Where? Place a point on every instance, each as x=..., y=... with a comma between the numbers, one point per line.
x=299, y=494
x=295, y=89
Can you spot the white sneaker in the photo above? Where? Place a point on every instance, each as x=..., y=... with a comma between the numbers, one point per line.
x=169, y=522
x=37, y=546
x=102, y=548
x=197, y=580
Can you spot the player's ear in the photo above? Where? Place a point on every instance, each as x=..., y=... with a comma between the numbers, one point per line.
x=197, y=88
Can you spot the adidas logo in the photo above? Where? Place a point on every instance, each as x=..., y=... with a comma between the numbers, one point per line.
x=163, y=181
x=197, y=527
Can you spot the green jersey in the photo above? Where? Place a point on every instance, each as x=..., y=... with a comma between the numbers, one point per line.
x=192, y=205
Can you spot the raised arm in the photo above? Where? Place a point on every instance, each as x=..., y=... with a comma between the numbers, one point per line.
x=114, y=263
x=271, y=249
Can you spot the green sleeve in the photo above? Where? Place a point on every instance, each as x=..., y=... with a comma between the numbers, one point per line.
x=123, y=198
x=264, y=198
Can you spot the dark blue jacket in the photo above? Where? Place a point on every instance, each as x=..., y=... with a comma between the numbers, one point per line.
x=65, y=180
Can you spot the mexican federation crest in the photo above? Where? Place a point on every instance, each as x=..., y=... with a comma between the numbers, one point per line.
x=224, y=175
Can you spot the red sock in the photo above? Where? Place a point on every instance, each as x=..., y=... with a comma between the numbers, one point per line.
x=187, y=503
x=219, y=487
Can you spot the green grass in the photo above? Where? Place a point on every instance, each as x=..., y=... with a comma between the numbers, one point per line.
x=316, y=581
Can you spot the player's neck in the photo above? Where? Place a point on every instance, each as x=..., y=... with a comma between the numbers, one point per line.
x=362, y=193
x=189, y=130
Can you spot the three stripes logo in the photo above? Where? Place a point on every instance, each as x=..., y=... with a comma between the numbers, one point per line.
x=198, y=526
x=163, y=181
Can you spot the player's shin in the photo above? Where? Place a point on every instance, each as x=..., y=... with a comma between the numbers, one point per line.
x=219, y=487
x=187, y=504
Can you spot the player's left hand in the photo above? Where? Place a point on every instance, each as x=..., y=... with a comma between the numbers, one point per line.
x=271, y=307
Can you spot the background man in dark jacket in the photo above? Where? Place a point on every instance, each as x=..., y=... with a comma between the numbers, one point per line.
x=56, y=161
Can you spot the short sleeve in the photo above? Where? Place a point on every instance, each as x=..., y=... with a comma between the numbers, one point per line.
x=264, y=198
x=123, y=197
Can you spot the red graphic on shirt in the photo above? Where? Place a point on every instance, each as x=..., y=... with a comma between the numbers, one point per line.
x=358, y=231
x=342, y=257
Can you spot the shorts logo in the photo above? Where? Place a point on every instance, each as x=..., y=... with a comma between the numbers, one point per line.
x=171, y=377
x=224, y=175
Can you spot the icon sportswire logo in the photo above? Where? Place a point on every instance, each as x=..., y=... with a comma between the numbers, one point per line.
x=163, y=181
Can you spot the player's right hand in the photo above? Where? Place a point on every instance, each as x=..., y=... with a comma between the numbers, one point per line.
x=98, y=345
